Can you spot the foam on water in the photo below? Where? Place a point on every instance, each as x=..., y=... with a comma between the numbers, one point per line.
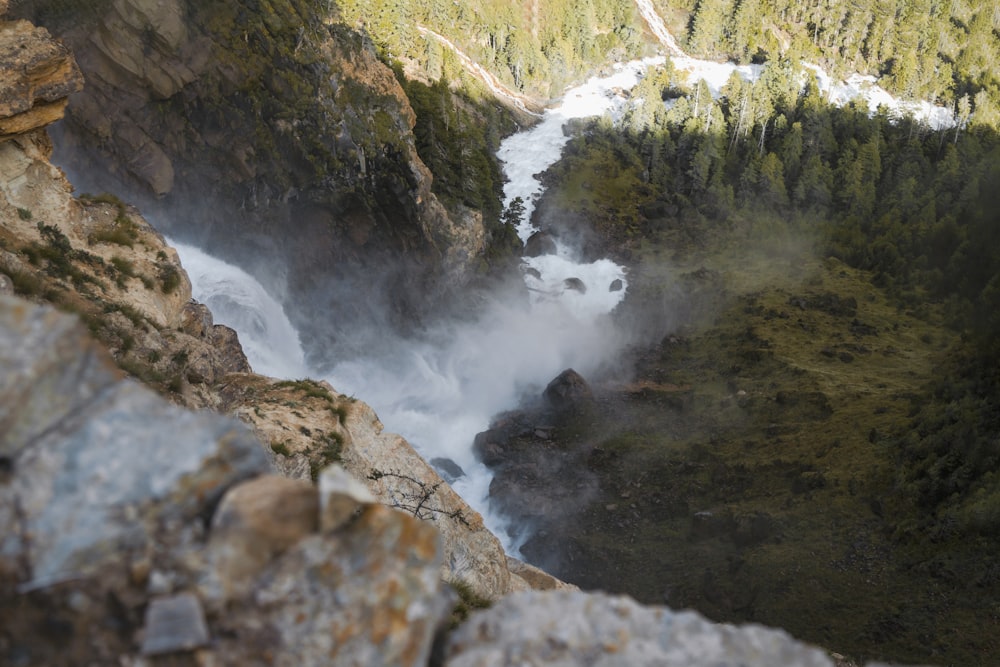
x=238, y=300
x=528, y=153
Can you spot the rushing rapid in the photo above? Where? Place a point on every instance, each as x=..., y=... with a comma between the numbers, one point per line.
x=438, y=391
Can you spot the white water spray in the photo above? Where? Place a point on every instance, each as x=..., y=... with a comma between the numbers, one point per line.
x=443, y=390
x=237, y=300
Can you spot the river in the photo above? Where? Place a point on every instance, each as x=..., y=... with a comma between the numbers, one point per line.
x=441, y=389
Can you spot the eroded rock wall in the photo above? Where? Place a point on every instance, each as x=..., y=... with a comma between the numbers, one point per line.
x=273, y=136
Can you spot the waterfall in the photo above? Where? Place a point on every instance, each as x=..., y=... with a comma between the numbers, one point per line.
x=238, y=300
x=441, y=389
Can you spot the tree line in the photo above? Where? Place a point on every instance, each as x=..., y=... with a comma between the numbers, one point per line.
x=919, y=209
x=922, y=49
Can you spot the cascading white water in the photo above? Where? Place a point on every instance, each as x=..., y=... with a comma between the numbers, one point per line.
x=441, y=391
x=838, y=93
x=237, y=300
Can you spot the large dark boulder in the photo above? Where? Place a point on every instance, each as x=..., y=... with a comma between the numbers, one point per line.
x=538, y=244
x=568, y=390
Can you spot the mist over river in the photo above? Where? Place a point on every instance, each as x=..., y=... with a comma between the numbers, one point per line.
x=441, y=388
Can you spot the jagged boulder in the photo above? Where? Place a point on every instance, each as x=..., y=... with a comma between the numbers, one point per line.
x=538, y=244
x=37, y=75
x=573, y=628
x=401, y=478
x=131, y=528
x=568, y=390
x=307, y=425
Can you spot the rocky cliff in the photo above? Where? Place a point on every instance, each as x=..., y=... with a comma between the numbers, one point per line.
x=136, y=532
x=97, y=257
x=272, y=135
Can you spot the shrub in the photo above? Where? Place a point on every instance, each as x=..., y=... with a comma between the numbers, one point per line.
x=170, y=278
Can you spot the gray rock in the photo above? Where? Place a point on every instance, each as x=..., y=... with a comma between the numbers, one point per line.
x=175, y=623
x=6, y=285
x=120, y=505
x=532, y=271
x=567, y=390
x=256, y=521
x=98, y=465
x=567, y=628
x=448, y=469
x=538, y=244
x=44, y=350
x=369, y=595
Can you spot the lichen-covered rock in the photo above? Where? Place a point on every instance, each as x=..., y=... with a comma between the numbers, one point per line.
x=174, y=623
x=573, y=628
x=37, y=74
x=42, y=350
x=366, y=594
x=308, y=424
x=535, y=578
x=96, y=256
x=123, y=257
x=256, y=521
x=132, y=528
x=342, y=496
x=401, y=478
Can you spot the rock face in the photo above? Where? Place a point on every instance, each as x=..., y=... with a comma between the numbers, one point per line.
x=269, y=130
x=567, y=628
x=539, y=463
x=568, y=390
x=95, y=255
x=130, y=526
x=309, y=425
x=401, y=478
x=37, y=75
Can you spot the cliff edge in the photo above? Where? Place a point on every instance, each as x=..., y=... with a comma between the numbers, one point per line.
x=97, y=257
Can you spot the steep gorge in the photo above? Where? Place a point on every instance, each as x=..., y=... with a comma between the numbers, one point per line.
x=771, y=418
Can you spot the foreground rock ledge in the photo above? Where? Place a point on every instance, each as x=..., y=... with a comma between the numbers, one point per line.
x=131, y=527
